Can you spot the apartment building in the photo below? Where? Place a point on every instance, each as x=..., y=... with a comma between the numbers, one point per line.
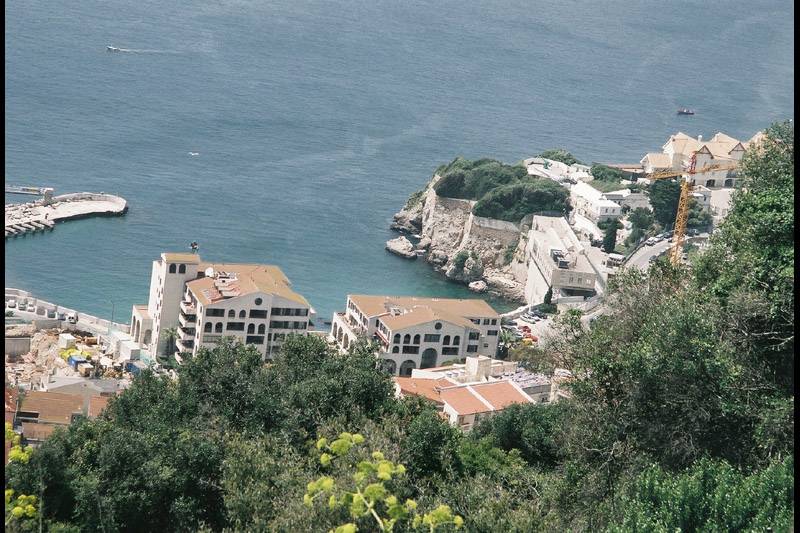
x=207, y=301
x=556, y=257
x=592, y=204
x=418, y=332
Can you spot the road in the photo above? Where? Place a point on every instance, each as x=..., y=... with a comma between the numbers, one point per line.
x=641, y=258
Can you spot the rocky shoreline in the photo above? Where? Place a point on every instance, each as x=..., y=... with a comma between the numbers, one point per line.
x=481, y=253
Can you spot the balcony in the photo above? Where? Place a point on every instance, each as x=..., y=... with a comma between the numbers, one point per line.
x=185, y=321
x=188, y=308
x=185, y=345
x=186, y=333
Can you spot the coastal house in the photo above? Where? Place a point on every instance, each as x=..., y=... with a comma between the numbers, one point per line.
x=208, y=301
x=592, y=204
x=556, y=260
x=556, y=170
x=40, y=413
x=417, y=332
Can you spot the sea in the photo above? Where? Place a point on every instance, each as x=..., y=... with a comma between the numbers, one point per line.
x=312, y=122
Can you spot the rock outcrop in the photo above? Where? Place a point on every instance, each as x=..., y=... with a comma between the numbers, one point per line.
x=402, y=247
x=480, y=252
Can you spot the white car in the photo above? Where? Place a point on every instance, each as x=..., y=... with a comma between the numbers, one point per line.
x=11, y=304
x=31, y=308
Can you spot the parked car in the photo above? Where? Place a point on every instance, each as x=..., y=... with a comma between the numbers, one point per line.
x=72, y=318
x=693, y=232
x=51, y=313
x=62, y=316
x=31, y=308
x=650, y=242
x=11, y=304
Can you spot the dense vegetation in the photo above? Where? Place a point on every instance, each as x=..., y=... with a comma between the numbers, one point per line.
x=559, y=154
x=681, y=417
x=502, y=191
x=606, y=173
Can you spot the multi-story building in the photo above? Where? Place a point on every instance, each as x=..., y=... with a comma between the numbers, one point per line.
x=207, y=301
x=418, y=332
x=592, y=204
x=556, y=259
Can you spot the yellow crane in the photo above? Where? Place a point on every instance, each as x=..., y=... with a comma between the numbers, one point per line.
x=679, y=232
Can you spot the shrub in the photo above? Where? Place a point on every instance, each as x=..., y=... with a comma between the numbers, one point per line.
x=460, y=259
x=559, y=154
x=604, y=173
x=512, y=202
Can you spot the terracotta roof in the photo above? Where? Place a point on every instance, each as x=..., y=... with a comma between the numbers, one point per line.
x=657, y=160
x=501, y=394
x=53, y=407
x=250, y=278
x=373, y=305
x=423, y=315
x=34, y=431
x=429, y=388
x=464, y=401
x=682, y=144
x=96, y=405
x=180, y=257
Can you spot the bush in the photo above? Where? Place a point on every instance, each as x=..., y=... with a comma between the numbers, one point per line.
x=512, y=202
x=559, y=154
x=470, y=180
x=604, y=173
x=460, y=259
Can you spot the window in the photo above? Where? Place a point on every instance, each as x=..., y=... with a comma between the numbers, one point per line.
x=215, y=312
x=218, y=328
x=254, y=339
x=242, y=314
x=432, y=338
x=172, y=269
x=492, y=332
x=231, y=314
x=475, y=320
x=407, y=339
x=261, y=328
x=235, y=326
x=397, y=338
x=474, y=335
x=494, y=321
x=450, y=350
x=472, y=348
x=182, y=269
x=446, y=340
x=416, y=339
x=258, y=313
x=457, y=340
x=438, y=325
x=300, y=325
x=207, y=327
x=396, y=349
x=485, y=321
x=277, y=311
x=410, y=349
x=251, y=328
x=278, y=324
x=259, y=301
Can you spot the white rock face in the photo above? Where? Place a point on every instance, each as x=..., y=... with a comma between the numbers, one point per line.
x=402, y=247
x=478, y=286
x=424, y=243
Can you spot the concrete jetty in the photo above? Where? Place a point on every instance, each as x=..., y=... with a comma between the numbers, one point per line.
x=43, y=214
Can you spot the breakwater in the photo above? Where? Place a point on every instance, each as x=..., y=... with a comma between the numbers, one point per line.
x=44, y=214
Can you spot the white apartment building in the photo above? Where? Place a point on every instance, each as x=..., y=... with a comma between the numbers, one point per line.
x=592, y=204
x=207, y=301
x=554, y=255
x=629, y=199
x=418, y=332
x=721, y=150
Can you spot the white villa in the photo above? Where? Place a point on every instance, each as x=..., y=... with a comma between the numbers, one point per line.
x=418, y=332
x=206, y=301
x=592, y=204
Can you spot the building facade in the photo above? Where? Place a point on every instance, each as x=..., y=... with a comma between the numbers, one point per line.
x=205, y=302
x=418, y=332
x=592, y=204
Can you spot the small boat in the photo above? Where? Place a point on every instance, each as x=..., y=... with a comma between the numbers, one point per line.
x=685, y=111
x=112, y=49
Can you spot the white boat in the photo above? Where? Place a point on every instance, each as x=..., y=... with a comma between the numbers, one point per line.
x=112, y=49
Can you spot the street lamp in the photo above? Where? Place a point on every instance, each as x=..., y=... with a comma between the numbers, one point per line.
x=112, y=316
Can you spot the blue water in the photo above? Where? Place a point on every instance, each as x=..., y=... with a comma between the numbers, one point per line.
x=315, y=120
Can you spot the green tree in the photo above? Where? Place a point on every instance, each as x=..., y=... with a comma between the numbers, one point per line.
x=664, y=197
x=512, y=202
x=641, y=218
x=610, y=236
x=560, y=154
x=606, y=173
x=548, y=296
x=170, y=335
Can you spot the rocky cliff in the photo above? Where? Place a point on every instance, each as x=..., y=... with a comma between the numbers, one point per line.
x=483, y=253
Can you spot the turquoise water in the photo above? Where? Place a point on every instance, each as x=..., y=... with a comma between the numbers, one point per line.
x=314, y=121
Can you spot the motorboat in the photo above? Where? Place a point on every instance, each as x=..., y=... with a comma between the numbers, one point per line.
x=685, y=111
x=112, y=49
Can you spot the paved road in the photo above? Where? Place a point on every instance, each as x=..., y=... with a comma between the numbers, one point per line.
x=641, y=258
x=85, y=322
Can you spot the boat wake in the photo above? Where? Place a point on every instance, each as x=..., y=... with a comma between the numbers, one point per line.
x=137, y=51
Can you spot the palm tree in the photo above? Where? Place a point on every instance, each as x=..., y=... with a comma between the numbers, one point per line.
x=507, y=339
x=169, y=335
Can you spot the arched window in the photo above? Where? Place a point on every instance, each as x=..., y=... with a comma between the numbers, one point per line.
x=261, y=328
x=182, y=269
x=231, y=313
x=457, y=340
x=172, y=269
x=416, y=339
x=242, y=314
x=407, y=339
x=428, y=358
x=218, y=327
x=446, y=340
x=407, y=367
x=207, y=327
x=396, y=349
x=258, y=301
x=397, y=338
x=438, y=325
x=251, y=328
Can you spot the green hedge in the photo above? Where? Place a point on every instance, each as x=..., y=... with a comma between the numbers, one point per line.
x=512, y=202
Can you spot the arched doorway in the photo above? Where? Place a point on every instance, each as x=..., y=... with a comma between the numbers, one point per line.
x=407, y=367
x=428, y=358
x=147, y=334
x=389, y=366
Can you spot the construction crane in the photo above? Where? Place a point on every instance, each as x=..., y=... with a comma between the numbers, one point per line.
x=679, y=232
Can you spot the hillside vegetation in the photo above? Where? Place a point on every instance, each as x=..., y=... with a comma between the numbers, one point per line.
x=502, y=191
x=681, y=419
